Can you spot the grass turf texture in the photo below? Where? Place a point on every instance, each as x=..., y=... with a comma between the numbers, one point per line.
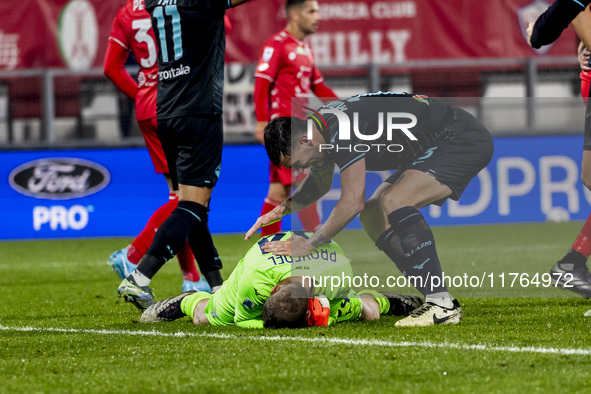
x=67, y=285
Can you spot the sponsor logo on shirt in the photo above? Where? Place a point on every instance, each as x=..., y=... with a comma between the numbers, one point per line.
x=174, y=72
x=267, y=54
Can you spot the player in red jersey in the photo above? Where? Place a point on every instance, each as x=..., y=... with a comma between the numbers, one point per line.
x=286, y=72
x=132, y=32
x=572, y=270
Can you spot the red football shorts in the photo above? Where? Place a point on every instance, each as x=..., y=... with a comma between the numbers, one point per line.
x=149, y=128
x=585, y=83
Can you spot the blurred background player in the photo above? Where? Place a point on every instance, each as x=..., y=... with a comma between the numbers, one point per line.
x=286, y=74
x=572, y=270
x=132, y=32
x=261, y=285
x=191, y=42
x=574, y=261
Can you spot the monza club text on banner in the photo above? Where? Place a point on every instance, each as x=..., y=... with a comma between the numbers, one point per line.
x=351, y=32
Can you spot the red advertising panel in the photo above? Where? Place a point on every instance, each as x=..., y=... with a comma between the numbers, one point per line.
x=56, y=33
x=73, y=33
x=382, y=31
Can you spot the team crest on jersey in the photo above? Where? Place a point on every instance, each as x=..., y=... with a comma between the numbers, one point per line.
x=267, y=54
x=247, y=303
x=421, y=98
x=528, y=14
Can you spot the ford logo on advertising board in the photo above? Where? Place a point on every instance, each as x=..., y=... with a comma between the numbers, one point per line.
x=59, y=178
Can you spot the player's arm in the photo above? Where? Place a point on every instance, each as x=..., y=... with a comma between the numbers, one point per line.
x=254, y=323
x=265, y=75
x=250, y=299
x=262, y=88
x=584, y=57
x=321, y=89
x=235, y=3
x=114, y=69
x=348, y=207
x=315, y=185
x=582, y=25
x=549, y=26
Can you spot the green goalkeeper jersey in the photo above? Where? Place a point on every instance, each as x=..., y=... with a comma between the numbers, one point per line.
x=241, y=298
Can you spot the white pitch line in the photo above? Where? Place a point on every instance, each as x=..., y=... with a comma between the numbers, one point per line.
x=327, y=341
x=53, y=264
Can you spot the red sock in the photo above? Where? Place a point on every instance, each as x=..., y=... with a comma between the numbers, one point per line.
x=268, y=206
x=583, y=242
x=309, y=218
x=187, y=263
x=142, y=242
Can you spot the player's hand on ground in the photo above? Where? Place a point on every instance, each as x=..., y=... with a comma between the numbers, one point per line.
x=259, y=132
x=268, y=218
x=293, y=246
x=530, y=31
x=583, y=57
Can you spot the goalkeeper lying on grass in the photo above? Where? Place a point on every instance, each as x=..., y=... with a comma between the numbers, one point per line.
x=278, y=286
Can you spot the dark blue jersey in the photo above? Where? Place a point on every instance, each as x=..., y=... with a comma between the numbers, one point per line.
x=191, y=40
x=420, y=123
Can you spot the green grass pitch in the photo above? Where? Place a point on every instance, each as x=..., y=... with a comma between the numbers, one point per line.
x=63, y=328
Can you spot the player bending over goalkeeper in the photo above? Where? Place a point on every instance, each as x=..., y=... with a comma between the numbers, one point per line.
x=277, y=289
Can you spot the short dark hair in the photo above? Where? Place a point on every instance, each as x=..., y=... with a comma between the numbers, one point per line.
x=278, y=136
x=286, y=308
x=289, y=4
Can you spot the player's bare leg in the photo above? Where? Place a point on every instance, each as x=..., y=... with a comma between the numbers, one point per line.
x=370, y=308
x=375, y=304
x=190, y=304
x=373, y=217
x=199, y=316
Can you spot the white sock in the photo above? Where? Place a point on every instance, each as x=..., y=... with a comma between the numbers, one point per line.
x=141, y=279
x=444, y=302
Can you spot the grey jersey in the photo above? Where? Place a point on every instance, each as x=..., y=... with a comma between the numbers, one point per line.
x=191, y=39
x=431, y=120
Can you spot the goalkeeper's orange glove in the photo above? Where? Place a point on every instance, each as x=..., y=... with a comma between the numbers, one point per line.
x=319, y=309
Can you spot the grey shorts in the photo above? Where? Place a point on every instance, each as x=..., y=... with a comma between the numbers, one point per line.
x=455, y=161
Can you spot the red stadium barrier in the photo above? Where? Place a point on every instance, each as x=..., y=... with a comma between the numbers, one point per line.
x=62, y=33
